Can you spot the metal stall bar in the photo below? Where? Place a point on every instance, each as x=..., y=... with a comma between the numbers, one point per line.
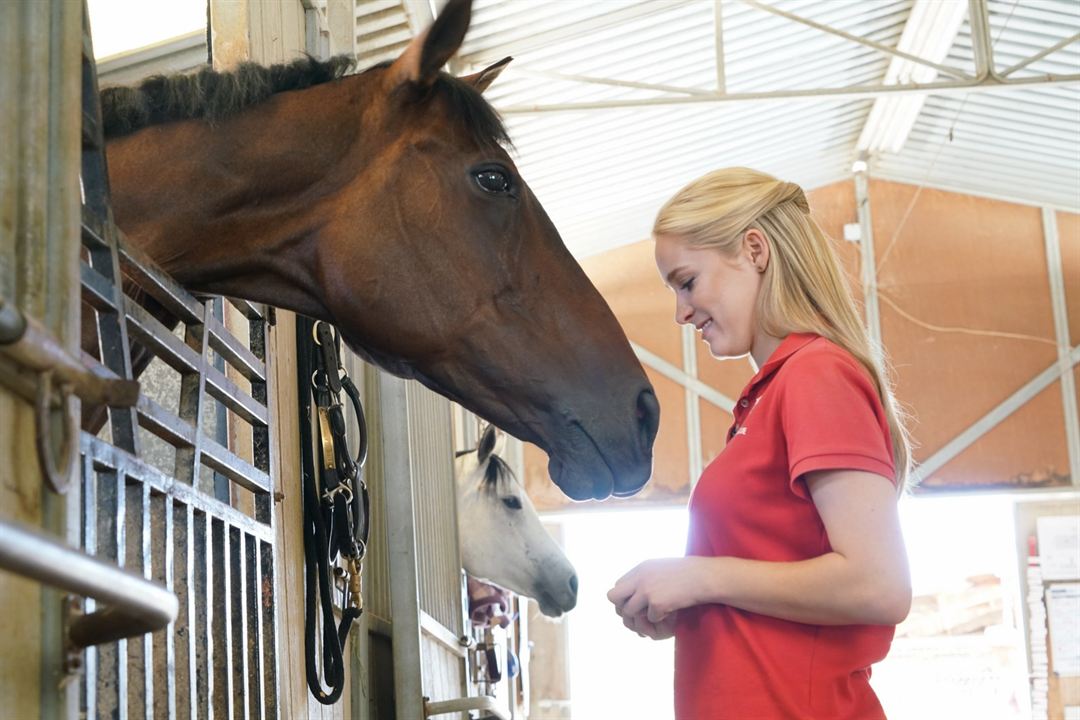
x=100, y=240
x=483, y=703
x=135, y=605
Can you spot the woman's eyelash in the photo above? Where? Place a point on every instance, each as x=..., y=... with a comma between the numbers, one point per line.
x=687, y=284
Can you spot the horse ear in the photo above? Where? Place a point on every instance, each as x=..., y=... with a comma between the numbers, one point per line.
x=500, y=443
x=485, y=77
x=431, y=49
x=487, y=444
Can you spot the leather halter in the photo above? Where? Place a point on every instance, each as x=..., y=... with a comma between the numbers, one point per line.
x=336, y=507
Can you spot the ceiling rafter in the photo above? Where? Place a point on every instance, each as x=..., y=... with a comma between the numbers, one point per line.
x=913, y=71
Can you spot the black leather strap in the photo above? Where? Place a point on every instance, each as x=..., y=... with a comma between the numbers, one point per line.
x=336, y=504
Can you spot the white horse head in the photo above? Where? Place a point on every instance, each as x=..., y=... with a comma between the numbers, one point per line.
x=502, y=540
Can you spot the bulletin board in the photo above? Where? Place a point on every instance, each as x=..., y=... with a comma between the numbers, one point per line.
x=1050, y=595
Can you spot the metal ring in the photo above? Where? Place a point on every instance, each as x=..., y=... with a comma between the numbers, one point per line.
x=56, y=480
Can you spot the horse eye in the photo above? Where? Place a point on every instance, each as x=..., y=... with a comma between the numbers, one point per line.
x=512, y=502
x=493, y=181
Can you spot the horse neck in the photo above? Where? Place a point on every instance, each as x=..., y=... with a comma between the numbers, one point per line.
x=235, y=208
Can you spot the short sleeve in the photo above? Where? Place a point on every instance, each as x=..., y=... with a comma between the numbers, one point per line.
x=832, y=418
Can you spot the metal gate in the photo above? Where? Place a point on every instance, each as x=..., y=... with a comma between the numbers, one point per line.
x=176, y=488
x=205, y=530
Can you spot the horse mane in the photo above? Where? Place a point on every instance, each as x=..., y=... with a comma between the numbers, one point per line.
x=210, y=94
x=214, y=95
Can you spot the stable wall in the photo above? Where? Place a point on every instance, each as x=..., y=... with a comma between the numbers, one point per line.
x=966, y=319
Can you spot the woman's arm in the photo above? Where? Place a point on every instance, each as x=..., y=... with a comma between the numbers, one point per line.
x=864, y=580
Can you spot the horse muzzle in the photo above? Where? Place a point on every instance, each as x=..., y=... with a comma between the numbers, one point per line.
x=559, y=597
x=619, y=464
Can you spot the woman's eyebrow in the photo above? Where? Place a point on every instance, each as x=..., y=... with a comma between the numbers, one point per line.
x=670, y=279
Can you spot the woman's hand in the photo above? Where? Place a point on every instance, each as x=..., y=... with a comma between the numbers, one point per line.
x=657, y=631
x=647, y=596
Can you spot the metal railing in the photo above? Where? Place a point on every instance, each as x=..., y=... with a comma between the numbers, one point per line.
x=133, y=604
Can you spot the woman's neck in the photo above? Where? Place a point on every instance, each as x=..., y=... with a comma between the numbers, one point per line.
x=764, y=346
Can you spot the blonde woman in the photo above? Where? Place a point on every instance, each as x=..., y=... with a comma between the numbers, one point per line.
x=795, y=574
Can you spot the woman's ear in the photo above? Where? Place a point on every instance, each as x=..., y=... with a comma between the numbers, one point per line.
x=756, y=247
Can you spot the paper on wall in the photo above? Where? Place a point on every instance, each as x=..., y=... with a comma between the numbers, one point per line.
x=1059, y=546
x=1063, y=619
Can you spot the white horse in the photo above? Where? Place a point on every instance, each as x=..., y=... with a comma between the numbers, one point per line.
x=502, y=540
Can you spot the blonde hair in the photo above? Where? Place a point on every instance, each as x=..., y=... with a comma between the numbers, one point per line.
x=804, y=289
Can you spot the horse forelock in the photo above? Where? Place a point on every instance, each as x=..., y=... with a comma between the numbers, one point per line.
x=480, y=119
x=496, y=471
x=210, y=94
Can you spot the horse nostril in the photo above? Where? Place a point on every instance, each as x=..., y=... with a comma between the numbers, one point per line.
x=648, y=415
x=573, y=584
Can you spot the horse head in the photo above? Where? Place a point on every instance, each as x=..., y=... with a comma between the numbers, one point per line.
x=469, y=287
x=386, y=203
x=502, y=539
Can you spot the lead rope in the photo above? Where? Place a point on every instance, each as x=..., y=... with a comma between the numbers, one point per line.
x=336, y=508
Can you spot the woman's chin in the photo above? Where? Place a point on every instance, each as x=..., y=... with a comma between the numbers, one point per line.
x=722, y=350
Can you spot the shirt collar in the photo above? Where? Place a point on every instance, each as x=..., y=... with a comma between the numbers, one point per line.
x=788, y=347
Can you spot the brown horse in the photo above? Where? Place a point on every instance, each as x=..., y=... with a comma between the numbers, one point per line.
x=384, y=202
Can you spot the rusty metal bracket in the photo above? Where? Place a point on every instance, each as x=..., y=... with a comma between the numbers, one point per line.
x=29, y=346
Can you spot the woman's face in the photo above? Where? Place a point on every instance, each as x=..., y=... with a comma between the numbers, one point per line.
x=715, y=293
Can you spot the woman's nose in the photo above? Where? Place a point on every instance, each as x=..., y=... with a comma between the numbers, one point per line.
x=683, y=313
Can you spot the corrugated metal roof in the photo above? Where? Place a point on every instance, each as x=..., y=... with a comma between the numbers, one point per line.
x=382, y=31
x=602, y=173
x=1023, y=144
x=1021, y=29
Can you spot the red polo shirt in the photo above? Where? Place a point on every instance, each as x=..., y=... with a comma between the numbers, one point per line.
x=811, y=407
